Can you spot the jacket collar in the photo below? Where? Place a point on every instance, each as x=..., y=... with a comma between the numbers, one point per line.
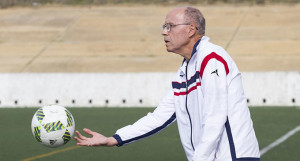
x=184, y=62
x=195, y=47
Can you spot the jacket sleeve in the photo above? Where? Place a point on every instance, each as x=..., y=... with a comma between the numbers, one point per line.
x=152, y=123
x=214, y=89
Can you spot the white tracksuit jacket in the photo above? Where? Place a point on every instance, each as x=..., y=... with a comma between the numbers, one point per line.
x=208, y=102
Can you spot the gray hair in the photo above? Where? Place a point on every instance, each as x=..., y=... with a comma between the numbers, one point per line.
x=194, y=15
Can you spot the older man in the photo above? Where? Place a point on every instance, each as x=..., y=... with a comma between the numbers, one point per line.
x=207, y=99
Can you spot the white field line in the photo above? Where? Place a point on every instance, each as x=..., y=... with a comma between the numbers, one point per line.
x=280, y=140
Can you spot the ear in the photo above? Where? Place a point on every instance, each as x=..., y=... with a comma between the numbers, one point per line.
x=192, y=30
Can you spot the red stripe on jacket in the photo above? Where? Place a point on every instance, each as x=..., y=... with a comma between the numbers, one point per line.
x=212, y=55
x=190, y=90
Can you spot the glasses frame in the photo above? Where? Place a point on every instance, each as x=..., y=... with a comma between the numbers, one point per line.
x=169, y=26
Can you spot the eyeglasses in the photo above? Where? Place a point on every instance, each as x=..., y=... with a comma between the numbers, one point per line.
x=169, y=26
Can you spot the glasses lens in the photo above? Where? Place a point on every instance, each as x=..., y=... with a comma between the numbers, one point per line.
x=167, y=26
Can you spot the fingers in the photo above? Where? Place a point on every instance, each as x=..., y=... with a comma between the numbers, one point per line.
x=88, y=131
x=81, y=140
x=78, y=140
x=96, y=139
x=80, y=136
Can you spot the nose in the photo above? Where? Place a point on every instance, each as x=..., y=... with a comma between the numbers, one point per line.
x=164, y=32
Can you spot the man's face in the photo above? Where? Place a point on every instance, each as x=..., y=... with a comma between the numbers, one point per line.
x=177, y=38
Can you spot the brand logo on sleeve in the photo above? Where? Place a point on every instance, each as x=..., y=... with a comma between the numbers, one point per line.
x=216, y=71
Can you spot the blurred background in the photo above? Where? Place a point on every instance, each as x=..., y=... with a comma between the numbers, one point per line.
x=94, y=35
x=98, y=56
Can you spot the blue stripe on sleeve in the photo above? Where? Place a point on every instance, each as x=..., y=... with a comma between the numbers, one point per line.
x=156, y=130
x=230, y=139
x=247, y=159
x=232, y=147
x=118, y=138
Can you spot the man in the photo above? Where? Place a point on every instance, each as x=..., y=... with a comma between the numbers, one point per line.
x=207, y=99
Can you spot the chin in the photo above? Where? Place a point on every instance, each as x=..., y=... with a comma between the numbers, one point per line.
x=169, y=50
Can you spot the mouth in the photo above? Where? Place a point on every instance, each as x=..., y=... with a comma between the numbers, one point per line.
x=166, y=41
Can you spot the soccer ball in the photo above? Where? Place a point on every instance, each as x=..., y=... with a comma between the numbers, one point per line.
x=53, y=126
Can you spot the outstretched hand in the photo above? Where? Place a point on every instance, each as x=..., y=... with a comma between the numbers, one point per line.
x=96, y=139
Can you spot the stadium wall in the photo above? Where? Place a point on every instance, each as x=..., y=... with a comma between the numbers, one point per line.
x=130, y=89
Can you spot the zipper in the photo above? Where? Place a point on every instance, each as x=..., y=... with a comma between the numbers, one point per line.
x=186, y=107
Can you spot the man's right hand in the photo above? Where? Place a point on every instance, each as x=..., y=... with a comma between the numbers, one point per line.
x=96, y=139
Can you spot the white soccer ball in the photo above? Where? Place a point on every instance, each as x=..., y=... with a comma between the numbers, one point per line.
x=53, y=126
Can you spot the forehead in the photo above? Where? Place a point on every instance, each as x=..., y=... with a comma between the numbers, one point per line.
x=175, y=16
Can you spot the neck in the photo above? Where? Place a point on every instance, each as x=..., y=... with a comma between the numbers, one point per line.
x=187, y=53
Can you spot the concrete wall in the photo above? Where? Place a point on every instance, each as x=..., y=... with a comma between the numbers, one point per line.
x=272, y=88
x=130, y=89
